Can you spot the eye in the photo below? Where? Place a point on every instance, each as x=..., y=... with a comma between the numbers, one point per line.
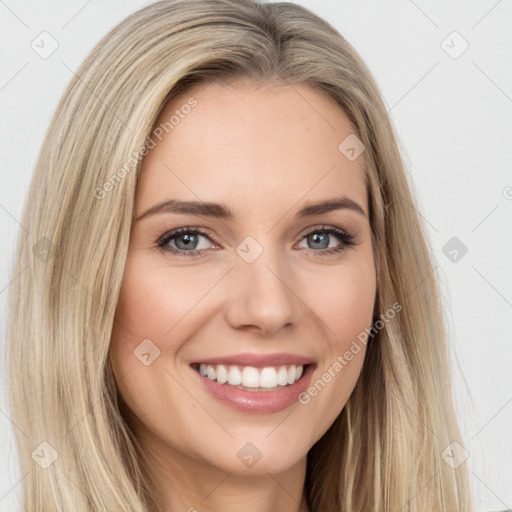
x=319, y=238
x=185, y=241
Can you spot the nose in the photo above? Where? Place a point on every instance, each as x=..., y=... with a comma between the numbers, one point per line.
x=261, y=294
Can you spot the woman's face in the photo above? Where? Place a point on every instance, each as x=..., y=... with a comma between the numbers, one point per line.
x=265, y=282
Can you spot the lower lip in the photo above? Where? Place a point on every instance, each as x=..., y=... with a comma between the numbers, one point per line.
x=258, y=402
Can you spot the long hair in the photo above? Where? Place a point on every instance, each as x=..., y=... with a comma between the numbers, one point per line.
x=384, y=452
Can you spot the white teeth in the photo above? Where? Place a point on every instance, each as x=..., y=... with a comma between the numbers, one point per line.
x=222, y=374
x=282, y=376
x=211, y=373
x=250, y=377
x=292, y=372
x=268, y=378
x=235, y=376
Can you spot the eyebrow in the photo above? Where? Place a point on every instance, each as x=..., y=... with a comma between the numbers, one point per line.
x=220, y=211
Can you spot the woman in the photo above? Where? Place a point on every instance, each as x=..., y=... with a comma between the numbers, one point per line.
x=295, y=358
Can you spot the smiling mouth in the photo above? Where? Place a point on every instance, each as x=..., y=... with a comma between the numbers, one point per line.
x=248, y=378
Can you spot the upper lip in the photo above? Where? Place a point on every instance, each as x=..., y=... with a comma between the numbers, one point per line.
x=257, y=360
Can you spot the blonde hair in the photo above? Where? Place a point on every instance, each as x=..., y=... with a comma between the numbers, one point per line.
x=384, y=451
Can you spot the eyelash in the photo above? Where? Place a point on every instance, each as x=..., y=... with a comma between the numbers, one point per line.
x=347, y=240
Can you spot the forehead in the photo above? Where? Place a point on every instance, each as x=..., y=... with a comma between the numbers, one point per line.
x=255, y=145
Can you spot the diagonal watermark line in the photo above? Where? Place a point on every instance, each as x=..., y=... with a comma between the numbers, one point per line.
x=95, y=95
x=10, y=419
x=428, y=483
x=301, y=300
x=424, y=218
x=194, y=398
x=414, y=414
x=282, y=487
x=169, y=169
x=281, y=422
x=172, y=486
x=493, y=287
x=415, y=85
x=304, y=195
x=13, y=217
x=291, y=85
x=13, y=13
x=217, y=486
x=207, y=292
x=13, y=279
x=421, y=282
x=14, y=486
x=485, y=15
x=508, y=507
x=503, y=407
x=81, y=419
x=74, y=15
x=14, y=76
x=77, y=215
x=492, y=81
x=102, y=306
x=94, y=406
x=492, y=211
x=424, y=14
x=81, y=490
x=419, y=213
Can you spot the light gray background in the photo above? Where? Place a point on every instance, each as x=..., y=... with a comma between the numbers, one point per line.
x=454, y=119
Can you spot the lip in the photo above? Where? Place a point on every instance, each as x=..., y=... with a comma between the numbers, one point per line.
x=257, y=360
x=256, y=402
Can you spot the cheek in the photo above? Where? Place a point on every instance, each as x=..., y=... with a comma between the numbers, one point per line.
x=344, y=300
x=159, y=309
x=153, y=305
x=344, y=304
x=161, y=306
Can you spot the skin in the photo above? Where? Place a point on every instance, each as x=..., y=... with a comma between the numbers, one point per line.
x=264, y=152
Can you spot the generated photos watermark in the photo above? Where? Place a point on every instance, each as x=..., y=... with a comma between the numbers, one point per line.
x=343, y=360
x=136, y=156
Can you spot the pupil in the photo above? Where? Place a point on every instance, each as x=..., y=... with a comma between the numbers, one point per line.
x=317, y=236
x=187, y=240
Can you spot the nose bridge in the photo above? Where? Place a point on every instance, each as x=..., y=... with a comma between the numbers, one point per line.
x=260, y=288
